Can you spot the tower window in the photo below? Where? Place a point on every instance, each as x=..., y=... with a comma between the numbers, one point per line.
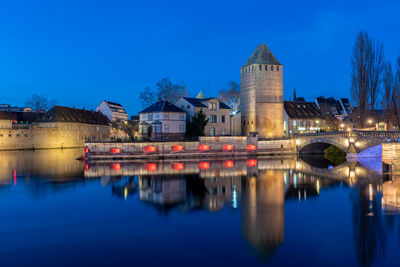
x=266, y=67
x=277, y=68
x=260, y=67
x=272, y=67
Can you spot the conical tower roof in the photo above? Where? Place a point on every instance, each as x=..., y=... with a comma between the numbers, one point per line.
x=200, y=95
x=262, y=55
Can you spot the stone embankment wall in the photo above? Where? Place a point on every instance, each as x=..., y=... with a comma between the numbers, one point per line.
x=51, y=135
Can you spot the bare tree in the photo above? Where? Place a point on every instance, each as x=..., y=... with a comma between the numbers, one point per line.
x=164, y=89
x=39, y=103
x=396, y=93
x=376, y=69
x=231, y=96
x=359, y=75
x=388, y=92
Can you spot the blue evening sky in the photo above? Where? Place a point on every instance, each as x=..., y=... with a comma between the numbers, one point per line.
x=82, y=52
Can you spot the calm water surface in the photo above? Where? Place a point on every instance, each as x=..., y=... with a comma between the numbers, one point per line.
x=57, y=211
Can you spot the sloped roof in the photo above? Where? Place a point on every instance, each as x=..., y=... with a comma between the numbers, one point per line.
x=262, y=55
x=331, y=102
x=197, y=102
x=162, y=106
x=115, y=107
x=73, y=115
x=3, y=116
x=200, y=95
x=302, y=110
x=113, y=103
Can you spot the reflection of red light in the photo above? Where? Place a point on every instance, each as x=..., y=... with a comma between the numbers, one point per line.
x=86, y=150
x=115, y=150
x=229, y=147
x=15, y=177
x=251, y=162
x=176, y=148
x=151, y=167
x=251, y=147
x=204, y=165
x=116, y=167
x=150, y=149
x=86, y=166
x=203, y=147
x=178, y=166
x=228, y=164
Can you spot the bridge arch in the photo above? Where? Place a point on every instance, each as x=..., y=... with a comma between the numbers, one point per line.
x=317, y=144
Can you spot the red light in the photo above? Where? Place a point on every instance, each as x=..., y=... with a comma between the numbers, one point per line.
x=228, y=164
x=178, y=166
x=251, y=147
x=86, y=166
x=229, y=147
x=116, y=167
x=150, y=149
x=251, y=162
x=115, y=150
x=86, y=150
x=204, y=165
x=177, y=148
x=151, y=167
x=203, y=148
x=14, y=121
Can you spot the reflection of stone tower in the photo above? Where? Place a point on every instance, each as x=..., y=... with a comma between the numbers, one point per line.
x=263, y=211
x=261, y=94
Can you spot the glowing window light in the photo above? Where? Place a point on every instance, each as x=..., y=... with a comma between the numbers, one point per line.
x=204, y=165
x=251, y=162
x=115, y=150
x=115, y=167
x=251, y=147
x=228, y=164
x=228, y=147
x=151, y=167
x=177, y=148
x=149, y=149
x=203, y=148
x=178, y=166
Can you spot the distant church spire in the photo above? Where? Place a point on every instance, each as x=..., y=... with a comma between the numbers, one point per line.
x=294, y=94
x=200, y=95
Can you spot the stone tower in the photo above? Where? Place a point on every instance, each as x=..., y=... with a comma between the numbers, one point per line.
x=261, y=94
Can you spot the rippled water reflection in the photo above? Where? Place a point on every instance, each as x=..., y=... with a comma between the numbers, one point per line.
x=59, y=211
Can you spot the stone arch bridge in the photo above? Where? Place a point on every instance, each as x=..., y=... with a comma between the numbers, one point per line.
x=353, y=142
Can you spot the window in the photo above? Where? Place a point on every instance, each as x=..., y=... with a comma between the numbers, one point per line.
x=157, y=115
x=294, y=123
x=166, y=116
x=182, y=117
x=223, y=118
x=212, y=131
x=277, y=68
x=223, y=131
x=212, y=118
x=266, y=67
x=260, y=67
x=272, y=67
x=166, y=128
x=188, y=106
x=213, y=106
x=182, y=128
x=150, y=116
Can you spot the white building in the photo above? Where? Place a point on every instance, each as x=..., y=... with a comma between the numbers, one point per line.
x=162, y=121
x=113, y=111
x=217, y=112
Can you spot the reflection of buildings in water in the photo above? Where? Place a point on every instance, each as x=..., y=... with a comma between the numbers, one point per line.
x=221, y=191
x=59, y=165
x=162, y=190
x=124, y=187
x=263, y=211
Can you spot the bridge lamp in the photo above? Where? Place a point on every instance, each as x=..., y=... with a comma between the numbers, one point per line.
x=317, y=121
x=297, y=142
x=342, y=125
x=348, y=129
x=351, y=140
x=370, y=121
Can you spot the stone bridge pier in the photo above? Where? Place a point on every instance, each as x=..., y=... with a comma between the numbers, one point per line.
x=356, y=144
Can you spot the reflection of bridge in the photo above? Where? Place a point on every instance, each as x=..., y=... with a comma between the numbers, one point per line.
x=350, y=173
x=353, y=142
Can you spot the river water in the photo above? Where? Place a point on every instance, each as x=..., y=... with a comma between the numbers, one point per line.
x=57, y=211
